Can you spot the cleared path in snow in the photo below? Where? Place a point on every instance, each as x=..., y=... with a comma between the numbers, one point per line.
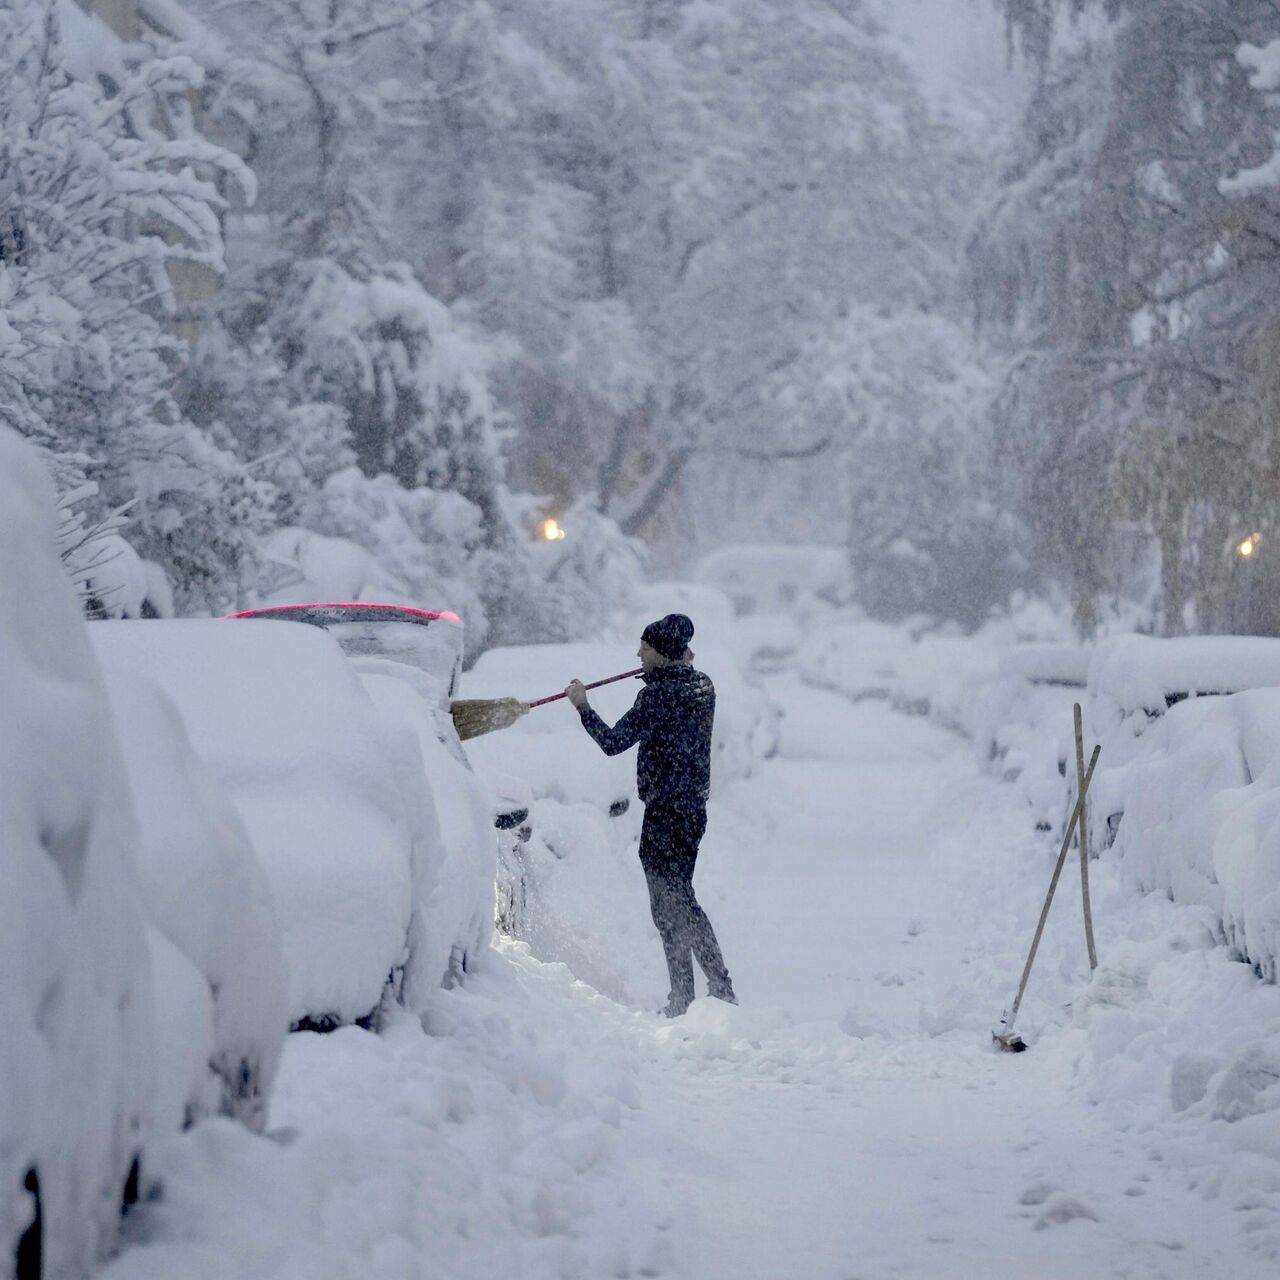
x=918, y=1156
x=836, y=909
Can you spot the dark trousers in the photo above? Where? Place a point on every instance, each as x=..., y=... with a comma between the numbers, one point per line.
x=668, y=851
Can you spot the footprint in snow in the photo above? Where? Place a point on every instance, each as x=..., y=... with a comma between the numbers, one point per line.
x=1060, y=1208
x=1037, y=1193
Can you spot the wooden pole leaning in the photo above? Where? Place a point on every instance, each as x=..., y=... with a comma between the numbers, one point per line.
x=1008, y=1039
x=1083, y=830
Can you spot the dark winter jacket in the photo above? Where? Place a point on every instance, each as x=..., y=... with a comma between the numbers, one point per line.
x=671, y=720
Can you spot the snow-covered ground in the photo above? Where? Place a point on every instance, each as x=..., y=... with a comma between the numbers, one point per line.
x=874, y=892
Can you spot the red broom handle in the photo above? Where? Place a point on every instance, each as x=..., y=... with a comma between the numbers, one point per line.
x=595, y=684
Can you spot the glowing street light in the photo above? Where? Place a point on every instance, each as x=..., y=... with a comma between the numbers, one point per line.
x=551, y=531
x=1247, y=546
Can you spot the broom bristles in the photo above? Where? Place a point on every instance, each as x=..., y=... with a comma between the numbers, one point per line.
x=474, y=716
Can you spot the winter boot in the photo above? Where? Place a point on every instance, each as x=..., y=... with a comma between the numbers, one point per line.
x=722, y=990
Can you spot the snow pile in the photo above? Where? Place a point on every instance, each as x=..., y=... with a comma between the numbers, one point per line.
x=944, y=675
x=205, y=892
x=576, y=878
x=489, y=1145
x=779, y=592
x=305, y=565
x=1173, y=1043
x=75, y=981
x=279, y=714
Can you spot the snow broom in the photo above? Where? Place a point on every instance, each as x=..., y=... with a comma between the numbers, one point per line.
x=1007, y=1038
x=474, y=716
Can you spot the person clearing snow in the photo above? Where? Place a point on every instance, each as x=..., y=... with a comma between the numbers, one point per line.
x=671, y=720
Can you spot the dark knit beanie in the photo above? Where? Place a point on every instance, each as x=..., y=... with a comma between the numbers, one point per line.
x=670, y=636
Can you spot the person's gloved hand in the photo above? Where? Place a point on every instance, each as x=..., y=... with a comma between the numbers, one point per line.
x=576, y=692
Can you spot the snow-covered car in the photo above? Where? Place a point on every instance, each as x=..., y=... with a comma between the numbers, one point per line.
x=853, y=655
x=281, y=717
x=777, y=579
x=1135, y=680
x=1023, y=722
x=410, y=661
x=221, y=981
x=1201, y=817
x=76, y=1031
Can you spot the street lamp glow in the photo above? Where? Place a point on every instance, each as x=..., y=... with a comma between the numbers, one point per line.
x=1249, y=545
x=551, y=531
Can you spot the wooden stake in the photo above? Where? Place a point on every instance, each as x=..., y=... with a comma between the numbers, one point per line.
x=1083, y=830
x=1053, y=884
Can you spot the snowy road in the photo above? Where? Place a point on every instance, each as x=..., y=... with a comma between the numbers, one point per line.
x=846, y=1123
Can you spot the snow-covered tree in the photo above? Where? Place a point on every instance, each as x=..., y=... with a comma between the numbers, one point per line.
x=327, y=363
x=1134, y=298
x=99, y=202
x=672, y=229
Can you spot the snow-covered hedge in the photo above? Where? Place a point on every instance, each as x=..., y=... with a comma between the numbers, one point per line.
x=76, y=1030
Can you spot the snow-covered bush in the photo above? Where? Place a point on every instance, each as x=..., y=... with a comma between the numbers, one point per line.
x=205, y=893
x=75, y=980
x=278, y=713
